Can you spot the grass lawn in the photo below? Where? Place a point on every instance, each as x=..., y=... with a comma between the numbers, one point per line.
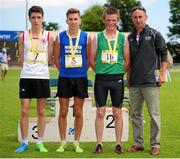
x=10, y=113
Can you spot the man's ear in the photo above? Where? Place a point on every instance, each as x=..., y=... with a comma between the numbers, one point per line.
x=118, y=18
x=103, y=20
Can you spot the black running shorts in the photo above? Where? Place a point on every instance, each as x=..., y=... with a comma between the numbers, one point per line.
x=34, y=88
x=70, y=87
x=112, y=83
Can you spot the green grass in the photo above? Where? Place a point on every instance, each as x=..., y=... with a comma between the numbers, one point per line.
x=10, y=113
x=176, y=66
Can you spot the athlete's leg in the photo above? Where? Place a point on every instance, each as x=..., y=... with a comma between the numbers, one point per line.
x=78, y=111
x=24, y=120
x=99, y=123
x=117, y=93
x=41, y=103
x=101, y=92
x=117, y=113
x=24, y=124
x=62, y=121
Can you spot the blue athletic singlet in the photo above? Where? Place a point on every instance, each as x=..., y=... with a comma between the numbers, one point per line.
x=67, y=70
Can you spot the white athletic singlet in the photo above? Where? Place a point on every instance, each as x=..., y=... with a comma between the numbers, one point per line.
x=35, y=63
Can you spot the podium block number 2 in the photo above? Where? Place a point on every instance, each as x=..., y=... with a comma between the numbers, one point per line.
x=110, y=121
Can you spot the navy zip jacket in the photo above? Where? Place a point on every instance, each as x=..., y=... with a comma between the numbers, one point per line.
x=146, y=56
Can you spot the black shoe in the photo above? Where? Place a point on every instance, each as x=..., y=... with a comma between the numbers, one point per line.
x=118, y=149
x=98, y=149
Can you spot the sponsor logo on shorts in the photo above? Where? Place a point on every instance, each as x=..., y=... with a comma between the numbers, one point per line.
x=23, y=90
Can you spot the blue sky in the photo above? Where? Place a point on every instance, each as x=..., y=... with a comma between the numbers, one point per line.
x=13, y=12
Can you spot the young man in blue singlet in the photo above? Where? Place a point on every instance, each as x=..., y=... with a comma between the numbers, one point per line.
x=71, y=59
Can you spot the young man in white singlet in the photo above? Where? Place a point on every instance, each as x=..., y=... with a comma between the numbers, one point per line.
x=35, y=47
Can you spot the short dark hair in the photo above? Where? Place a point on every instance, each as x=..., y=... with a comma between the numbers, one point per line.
x=138, y=8
x=37, y=9
x=110, y=10
x=72, y=11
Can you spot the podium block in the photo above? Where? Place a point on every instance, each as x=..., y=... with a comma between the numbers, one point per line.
x=88, y=132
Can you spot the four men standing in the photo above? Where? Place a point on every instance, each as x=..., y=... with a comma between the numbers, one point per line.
x=144, y=55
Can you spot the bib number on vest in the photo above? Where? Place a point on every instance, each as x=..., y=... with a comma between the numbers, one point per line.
x=73, y=62
x=109, y=57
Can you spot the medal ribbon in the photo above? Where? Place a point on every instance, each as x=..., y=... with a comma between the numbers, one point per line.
x=74, y=48
x=35, y=49
x=115, y=43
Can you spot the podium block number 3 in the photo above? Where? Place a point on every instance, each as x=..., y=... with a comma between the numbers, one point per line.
x=35, y=132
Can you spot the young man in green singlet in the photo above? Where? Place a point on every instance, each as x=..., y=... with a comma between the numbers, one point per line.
x=109, y=62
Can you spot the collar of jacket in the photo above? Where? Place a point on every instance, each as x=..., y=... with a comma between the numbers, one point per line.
x=146, y=27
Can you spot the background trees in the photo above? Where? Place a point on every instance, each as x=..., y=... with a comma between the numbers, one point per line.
x=174, y=29
x=51, y=26
x=92, y=17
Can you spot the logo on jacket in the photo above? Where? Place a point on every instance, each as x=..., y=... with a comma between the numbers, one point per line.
x=148, y=37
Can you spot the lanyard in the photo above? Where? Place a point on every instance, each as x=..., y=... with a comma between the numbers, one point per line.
x=35, y=49
x=74, y=48
x=115, y=42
